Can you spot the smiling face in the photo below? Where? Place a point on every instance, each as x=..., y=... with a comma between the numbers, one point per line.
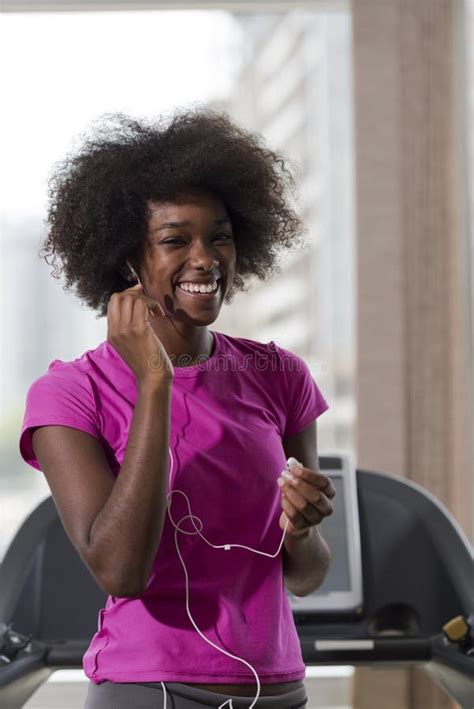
x=189, y=240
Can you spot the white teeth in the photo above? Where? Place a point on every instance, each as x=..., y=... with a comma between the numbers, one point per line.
x=195, y=288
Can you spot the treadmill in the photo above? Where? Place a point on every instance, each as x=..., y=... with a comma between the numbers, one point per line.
x=399, y=592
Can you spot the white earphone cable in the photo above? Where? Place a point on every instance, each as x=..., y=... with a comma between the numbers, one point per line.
x=226, y=547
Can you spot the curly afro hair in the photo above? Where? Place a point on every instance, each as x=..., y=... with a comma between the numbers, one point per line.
x=98, y=213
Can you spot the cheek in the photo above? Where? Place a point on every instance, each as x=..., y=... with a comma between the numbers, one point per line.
x=160, y=275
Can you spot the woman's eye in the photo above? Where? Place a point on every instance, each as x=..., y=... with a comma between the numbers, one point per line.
x=171, y=241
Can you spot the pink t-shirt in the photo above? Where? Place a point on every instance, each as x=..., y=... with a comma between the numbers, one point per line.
x=228, y=417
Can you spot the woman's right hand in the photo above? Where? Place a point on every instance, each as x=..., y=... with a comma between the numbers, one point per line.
x=130, y=332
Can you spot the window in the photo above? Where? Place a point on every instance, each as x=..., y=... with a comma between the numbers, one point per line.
x=286, y=75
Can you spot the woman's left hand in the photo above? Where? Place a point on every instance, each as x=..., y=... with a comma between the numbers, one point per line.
x=305, y=500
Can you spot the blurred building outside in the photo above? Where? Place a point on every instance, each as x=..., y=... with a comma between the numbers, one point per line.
x=292, y=85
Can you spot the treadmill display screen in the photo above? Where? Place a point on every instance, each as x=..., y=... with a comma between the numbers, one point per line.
x=334, y=531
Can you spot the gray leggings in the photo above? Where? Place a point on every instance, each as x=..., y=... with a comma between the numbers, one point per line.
x=149, y=695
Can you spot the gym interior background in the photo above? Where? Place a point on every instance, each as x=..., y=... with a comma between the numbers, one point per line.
x=374, y=103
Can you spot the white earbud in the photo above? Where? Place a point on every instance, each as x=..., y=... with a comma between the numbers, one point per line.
x=292, y=461
x=133, y=271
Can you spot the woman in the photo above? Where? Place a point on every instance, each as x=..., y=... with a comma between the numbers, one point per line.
x=195, y=203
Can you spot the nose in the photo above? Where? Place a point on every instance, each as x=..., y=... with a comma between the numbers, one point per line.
x=203, y=256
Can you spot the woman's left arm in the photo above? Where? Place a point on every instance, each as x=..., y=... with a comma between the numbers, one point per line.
x=305, y=503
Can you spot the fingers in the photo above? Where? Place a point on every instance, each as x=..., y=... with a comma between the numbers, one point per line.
x=126, y=310
x=310, y=503
x=297, y=519
x=138, y=293
x=293, y=517
x=302, y=496
x=123, y=304
x=316, y=479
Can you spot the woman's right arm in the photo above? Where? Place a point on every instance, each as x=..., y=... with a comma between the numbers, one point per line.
x=126, y=533
x=116, y=524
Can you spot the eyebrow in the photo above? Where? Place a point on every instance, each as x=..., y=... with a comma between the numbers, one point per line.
x=171, y=225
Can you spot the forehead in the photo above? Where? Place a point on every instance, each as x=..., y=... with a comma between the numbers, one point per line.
x=190, y=202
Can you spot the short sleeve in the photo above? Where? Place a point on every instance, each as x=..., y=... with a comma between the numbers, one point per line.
x=62, y=396
x=304, y=400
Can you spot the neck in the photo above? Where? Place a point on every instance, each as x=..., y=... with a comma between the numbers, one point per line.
x=184, y=345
